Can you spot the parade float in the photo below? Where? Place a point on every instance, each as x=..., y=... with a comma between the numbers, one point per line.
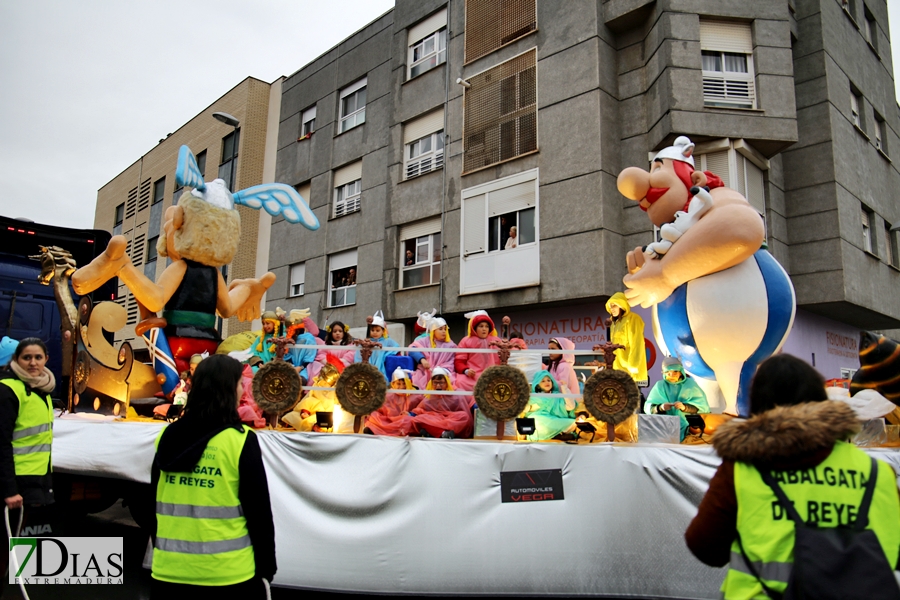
x=495, y=515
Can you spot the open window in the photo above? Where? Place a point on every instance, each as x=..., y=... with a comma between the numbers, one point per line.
x=342, y=278
x=420, y=253
x=495, y=256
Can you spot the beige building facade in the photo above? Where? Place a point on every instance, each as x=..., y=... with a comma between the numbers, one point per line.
x=134, y=202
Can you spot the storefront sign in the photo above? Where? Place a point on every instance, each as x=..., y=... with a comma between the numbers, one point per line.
x=531, y=486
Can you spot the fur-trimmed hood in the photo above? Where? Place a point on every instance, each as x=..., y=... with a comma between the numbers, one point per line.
x=785, y=432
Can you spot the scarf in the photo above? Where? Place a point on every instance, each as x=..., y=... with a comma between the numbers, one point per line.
x=45, y=382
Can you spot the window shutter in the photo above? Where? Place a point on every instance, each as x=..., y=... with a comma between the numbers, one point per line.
x=424, y=28
x=726, y=37
x=717, y=162
x=422, y=126
x=353, y=87
x=304, y=191
x=413, y=230
x=342, y=260
x=509, y=199
x=348, y=173
x=298, y=273
x=755, y=186
x=491, y=24
x=474, y=225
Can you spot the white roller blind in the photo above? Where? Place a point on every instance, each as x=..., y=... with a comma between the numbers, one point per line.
x=298, y=273
x=755, y=186
x=348, y=173
x=420, y=228
x=422, y=29
x=304, y=191
x=474, y=224
x=726, y=37
x=342, y=260
x=717, y=162
x=422, y=126
x=514, y=197
x=354, y=86
x=309, y=113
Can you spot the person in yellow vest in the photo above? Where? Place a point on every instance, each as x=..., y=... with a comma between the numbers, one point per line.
x=26, y=427
x=800, y=437
x=627, y=328
x=214, y=526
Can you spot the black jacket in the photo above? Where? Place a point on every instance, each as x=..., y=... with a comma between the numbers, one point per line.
x=179, y=450
x=35, y=489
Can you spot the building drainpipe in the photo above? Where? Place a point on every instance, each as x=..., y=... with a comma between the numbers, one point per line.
x=444, y=170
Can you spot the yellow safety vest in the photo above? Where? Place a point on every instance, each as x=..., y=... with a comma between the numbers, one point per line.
x=828, y=495
x=201, y=533
x=33, y=433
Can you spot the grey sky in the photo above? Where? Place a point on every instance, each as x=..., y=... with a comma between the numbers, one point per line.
x=87, y=87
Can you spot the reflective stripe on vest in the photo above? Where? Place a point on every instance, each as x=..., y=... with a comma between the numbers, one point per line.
x=32, y=436
x=828, y=495
x=202, y=535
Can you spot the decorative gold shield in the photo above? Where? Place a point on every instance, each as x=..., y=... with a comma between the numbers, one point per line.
x=276, y=387
x=360, y=389
x=501, y=392
x=611, y=396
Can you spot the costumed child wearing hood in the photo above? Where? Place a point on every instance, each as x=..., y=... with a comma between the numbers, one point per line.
x=470, y=366
x=262, y=347
x=377, y=332
x=561, y=366
x=437, y=336
x=627, y=328
x=394, y=418
x=553, y=417
x=676, y=394
x=303, y=417
x=440, y=415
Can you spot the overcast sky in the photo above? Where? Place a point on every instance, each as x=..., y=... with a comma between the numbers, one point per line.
x=87, y=87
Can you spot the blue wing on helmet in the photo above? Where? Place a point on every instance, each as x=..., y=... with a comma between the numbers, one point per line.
x=187, y=173
x=279, y=199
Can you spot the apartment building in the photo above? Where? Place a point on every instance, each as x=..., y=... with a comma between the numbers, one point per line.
x=134, y=202
x=423, y=139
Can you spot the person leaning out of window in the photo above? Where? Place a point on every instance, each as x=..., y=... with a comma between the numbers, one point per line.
x=214, y=526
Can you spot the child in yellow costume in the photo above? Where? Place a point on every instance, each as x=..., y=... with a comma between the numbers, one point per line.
x=627, y=328
x=303, y=417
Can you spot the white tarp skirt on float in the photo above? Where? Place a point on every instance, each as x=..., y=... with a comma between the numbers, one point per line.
x=424, y=516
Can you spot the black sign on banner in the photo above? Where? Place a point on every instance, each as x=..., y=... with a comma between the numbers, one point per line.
x=531, y=486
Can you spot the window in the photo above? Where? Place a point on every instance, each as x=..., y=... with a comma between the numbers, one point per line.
x=423, y=139
x=342, y=278
x=298, y=275
x=307, y=122
x=855, y=104
x=870, y=29
x=849, y=7
x=347, y=189
x=304, y=190
x=353, y=105
x=427, y=44
x=501, y=113
x=228, y=166
x=201, y=163
x=144, y=195
x=159, y=189
x=726, y=51
x=176, y=195
x=420, y=253
x=880, y=134
x=119, y=219
x=492, y=24
x=892, y=252
x=151, y=249
x=867, y=218
x=489, y=212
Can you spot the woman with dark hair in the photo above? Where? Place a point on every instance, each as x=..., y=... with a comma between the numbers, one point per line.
x=800, y=440
x=214, y=526
x=26, y=433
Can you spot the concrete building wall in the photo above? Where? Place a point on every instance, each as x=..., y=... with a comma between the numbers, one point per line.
x=249, y=103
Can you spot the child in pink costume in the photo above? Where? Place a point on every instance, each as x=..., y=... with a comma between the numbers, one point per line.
x=469, y=366
x=562, y=365
x=438, y=336
x=394, y=418
x=442, y=416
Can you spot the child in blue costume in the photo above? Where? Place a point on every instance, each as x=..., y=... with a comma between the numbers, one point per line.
x=262, y=346
x=676, y=394
x=552, y=416
x=377, y=332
